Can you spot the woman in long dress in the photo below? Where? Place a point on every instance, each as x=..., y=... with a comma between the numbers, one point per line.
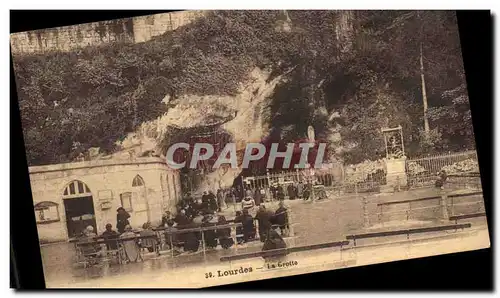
x=130, y=246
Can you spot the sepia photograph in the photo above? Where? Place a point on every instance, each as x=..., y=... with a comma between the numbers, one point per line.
x=193, y=149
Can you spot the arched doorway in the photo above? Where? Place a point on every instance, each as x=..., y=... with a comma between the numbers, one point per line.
x=79, y=208
x=141, y=204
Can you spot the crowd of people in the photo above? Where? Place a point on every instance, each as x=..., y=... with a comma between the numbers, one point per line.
x=192, y=214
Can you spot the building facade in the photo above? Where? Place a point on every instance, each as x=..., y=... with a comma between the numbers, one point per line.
x=68, y=197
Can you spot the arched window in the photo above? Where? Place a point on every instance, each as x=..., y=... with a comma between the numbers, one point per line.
x=76, y=189
x=138, y=181
x=46, y=212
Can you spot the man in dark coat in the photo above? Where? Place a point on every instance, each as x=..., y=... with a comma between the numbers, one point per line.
x=212, y=202
x=257, y=197
x=264, y=218
x=239, y=230
x=291, y=191
x=280, y=193
x=300, y=189
x=122, y=217
x=248, y=226
x=109, y=235
x=181, y=219
x=205, y=200
x=307, y=191
x=281, y=218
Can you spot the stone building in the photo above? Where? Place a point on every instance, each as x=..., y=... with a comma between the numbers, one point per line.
x=68, y=197
x=127, y=31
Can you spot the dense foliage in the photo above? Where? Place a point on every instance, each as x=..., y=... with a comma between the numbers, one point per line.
x=95, y=96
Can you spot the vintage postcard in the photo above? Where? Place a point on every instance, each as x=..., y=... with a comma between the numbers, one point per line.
x=201, y=148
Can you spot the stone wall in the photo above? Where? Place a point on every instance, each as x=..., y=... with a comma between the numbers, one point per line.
x=106, y=180
x=130, y=30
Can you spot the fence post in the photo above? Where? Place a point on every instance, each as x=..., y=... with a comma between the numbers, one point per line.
x=444, y=207
x=366, y=216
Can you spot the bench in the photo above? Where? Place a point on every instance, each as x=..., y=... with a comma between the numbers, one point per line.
x=407, y=232
x=456, y=218
x=277, y=252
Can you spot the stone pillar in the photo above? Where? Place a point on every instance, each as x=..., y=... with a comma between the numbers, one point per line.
x=396, y=173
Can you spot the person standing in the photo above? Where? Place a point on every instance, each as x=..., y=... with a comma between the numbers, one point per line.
x=264, y=218
x=291, y=191
x=248, y=192
x=247, y=204
x=281, y=219
x=239, y=230
x=280, y=193
x=248, y=226
x=300, y=189
x=257, y=197
x=221, y=200
x=122, y=221
x=212, y=202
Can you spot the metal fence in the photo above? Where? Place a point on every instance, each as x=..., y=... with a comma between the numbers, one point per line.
x=423, y=171
x=328, y=177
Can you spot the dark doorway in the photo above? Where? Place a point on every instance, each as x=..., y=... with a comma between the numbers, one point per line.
x=79, y=214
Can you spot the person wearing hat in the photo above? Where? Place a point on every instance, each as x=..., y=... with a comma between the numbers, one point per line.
x=122, y=217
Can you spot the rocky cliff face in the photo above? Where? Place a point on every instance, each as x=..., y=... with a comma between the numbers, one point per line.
x=248, y=110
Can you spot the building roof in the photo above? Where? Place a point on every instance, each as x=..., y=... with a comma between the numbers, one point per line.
x=97, y=163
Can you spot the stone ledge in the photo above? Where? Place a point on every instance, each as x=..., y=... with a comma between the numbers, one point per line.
x=96, y=163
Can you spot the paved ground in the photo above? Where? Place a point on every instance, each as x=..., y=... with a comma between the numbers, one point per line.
x=313, y=223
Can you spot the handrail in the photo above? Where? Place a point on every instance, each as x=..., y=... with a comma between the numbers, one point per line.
x=275, y=252
x=407, y=231
x=198, y=229
x=465, y=216
x=409, y=201
x=465, y=194
x=430, y=198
